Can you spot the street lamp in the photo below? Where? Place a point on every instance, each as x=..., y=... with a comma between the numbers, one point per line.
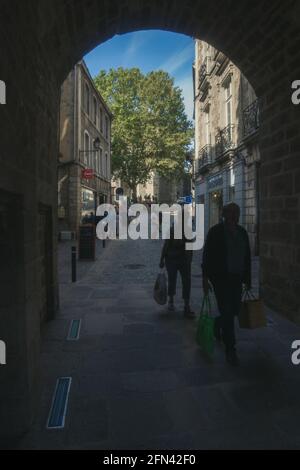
x=96, y=145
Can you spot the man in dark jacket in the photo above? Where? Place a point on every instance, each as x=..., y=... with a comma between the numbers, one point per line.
x=227, y=265
x=177, y=258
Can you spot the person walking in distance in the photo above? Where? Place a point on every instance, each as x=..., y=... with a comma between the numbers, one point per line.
x=227, y=266
x=177, y=259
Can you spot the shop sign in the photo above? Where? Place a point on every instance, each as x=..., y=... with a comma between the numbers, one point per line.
x=87, y=174
x=215, y=182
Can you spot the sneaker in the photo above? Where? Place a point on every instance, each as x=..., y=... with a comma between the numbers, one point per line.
x=232, y=358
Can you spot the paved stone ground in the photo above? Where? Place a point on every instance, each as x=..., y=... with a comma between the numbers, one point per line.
x=139, y=379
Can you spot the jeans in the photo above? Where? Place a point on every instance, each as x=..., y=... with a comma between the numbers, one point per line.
x=184, y=267
x=228, y=291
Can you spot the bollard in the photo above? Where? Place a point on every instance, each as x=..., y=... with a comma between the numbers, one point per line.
x=103, y=243
x=74, y=264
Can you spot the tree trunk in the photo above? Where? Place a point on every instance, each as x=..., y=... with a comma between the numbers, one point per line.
x=134, y=194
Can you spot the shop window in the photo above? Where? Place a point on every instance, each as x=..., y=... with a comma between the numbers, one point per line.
x=87, y=205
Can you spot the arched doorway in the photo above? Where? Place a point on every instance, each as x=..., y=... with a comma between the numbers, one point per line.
x=261, y=37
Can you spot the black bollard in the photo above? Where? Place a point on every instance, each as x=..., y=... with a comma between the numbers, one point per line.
x=74, y=259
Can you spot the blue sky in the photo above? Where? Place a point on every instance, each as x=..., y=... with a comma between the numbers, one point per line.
x=149, y=50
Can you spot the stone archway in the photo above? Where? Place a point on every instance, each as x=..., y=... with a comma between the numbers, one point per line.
x=41, y=40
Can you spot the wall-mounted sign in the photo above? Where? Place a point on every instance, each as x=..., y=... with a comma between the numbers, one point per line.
x=215, y=182
x=87, y=174
x=188, y=199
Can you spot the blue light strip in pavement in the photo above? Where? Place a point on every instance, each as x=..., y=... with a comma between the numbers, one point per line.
x=74, y=330
x=59, y=405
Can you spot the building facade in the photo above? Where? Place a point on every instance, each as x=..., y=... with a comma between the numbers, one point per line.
x=84, y=166
x=227, y=155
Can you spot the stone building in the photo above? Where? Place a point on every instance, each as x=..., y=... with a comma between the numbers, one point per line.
x=226, y=140
x=84, y=167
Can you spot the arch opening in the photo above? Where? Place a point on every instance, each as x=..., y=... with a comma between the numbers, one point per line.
x=261, y=37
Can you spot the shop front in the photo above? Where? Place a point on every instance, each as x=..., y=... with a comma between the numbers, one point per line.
x=215, y=199
x=88, y=206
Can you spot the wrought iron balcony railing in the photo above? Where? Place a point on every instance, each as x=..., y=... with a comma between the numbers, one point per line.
x=251, y=118
x=205, y=157
x=203, y=73
x=225, y=140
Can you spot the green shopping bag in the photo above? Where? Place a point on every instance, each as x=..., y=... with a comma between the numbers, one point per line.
x=205, y=329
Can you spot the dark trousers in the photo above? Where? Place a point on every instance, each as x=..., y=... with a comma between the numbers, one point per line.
x=228, y=291
x=184, y=267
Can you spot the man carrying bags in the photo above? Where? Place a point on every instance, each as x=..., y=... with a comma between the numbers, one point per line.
x=227, y=265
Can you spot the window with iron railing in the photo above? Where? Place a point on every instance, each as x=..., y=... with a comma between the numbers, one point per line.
x=225, y=140
x=204, y=157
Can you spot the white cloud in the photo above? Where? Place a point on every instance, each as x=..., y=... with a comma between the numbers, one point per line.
x=177, y=60
x=186, y=84
x=136, y=42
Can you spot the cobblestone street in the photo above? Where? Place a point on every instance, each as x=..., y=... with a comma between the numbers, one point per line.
x=139, y=380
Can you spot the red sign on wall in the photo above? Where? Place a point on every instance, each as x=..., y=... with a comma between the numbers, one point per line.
x=87, y=174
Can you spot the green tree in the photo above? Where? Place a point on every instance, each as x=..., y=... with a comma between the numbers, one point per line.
x=150, y=130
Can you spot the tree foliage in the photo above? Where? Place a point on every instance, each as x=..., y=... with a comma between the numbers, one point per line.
x=150, y=130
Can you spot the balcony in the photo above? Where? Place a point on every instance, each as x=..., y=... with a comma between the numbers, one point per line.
x=225, y=140
x=205, y=158
x=221, y=62
x=204, y=73
x=251, y=119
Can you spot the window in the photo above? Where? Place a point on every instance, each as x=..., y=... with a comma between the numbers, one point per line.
x=207, y=127
x=87, y=205
x=101, y=120
x=86, y=147
x=95, y=111
x=93, y=159
x=101, y=162
x=98, y=156
x=106, y=165
x=91, y=154
x=106, y=127
x=87, y=99
x=228, y=104
x=97, y=162
x=231, y=193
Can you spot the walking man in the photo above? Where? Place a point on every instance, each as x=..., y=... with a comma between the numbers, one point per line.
x=177, y=259
x=227, y=265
